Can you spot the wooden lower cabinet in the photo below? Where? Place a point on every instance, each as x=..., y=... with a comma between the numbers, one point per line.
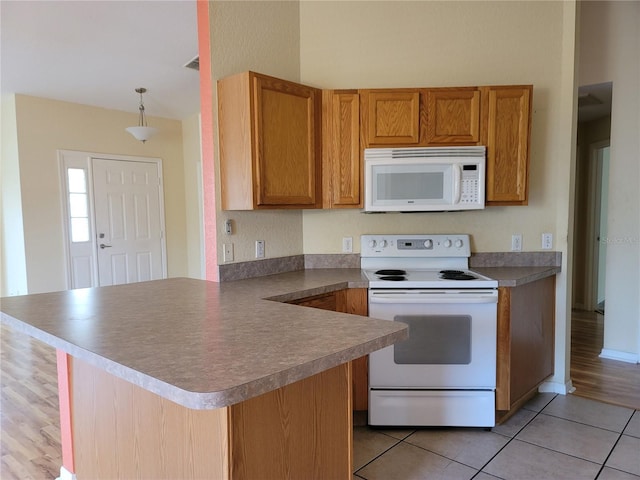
x=355, y=301
x=526, y=326
x=303, y=430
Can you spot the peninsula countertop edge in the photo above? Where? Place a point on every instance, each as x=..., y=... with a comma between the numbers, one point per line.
x=201, y=344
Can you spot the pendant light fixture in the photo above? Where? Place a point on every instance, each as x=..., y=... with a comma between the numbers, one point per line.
x=142, y=132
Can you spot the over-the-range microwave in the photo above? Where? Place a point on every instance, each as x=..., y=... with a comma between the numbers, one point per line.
x=424, y=179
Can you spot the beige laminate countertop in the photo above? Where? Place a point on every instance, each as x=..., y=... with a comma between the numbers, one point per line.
x=516, y=276
x=202, y=344
x=207, y=345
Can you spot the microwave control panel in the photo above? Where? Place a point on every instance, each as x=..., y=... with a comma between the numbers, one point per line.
x=469, y=185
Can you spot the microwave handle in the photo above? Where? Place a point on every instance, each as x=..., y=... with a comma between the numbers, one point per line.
x=457, y=179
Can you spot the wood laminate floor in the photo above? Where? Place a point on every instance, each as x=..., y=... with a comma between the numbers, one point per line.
x=30, y=433
x=608, y=381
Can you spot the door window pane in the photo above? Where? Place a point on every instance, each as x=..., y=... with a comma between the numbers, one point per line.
x=78, y=204
x=79, y=229
x=77, y=180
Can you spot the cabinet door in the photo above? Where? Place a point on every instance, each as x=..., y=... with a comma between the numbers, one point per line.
x=287, y=133
x=526, y=325
x=453, y=116
x=391, y=117
x=341, y=169
x=270, y=143
x=507, y=139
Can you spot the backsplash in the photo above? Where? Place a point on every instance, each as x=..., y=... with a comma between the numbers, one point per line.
x=270, y=266
x=515, y=259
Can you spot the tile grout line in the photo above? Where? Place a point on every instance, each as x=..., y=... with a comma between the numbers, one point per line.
x=510, y=439
x=379, y=455
x=615, y=445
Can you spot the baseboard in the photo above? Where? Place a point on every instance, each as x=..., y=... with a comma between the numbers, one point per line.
x=556, y=387
x=66, y=474
x=620, y=356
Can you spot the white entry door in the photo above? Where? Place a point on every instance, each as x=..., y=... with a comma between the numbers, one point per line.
x=128, y=221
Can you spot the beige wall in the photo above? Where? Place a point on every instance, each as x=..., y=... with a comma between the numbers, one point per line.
x=45, y=126
x=610, y=42
x=193, y=196
x=263, y=37
x=13, y=280
x=402, y=44
x=496, y=43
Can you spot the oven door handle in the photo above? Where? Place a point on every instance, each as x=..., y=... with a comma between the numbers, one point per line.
x=433, y=298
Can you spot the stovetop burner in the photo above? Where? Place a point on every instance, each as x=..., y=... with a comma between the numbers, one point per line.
x=393, y=278
x=456, y=275
x=391, y=271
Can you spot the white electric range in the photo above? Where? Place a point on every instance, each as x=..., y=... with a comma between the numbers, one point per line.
x=445, y=373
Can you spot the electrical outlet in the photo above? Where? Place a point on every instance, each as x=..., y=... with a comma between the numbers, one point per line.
x=259, y=248
x=547, y=241
x=516, y=242
x=227, y=252
x=347, y=244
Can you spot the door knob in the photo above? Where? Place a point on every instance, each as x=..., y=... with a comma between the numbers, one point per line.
x=103, y=246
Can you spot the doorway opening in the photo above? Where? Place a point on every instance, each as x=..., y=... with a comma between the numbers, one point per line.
x=114, y=219
x=592, y=183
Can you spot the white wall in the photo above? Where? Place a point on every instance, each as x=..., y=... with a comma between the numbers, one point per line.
x=43, y=127
x=610, y=42
x=263, y=37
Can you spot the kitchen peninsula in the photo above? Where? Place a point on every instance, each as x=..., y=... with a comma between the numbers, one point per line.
x=184, y=378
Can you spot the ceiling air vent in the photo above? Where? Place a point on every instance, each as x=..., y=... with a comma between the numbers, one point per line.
x=194, y=63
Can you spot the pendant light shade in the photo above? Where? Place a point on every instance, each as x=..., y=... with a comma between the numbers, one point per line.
x=142, y=132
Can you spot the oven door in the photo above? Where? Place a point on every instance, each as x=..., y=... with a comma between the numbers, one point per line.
x=451, y=344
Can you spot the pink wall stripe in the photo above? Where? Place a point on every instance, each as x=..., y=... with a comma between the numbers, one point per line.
x=208, y=165
x=64, y=396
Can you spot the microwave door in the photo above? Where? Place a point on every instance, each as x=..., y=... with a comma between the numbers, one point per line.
x=410, y=187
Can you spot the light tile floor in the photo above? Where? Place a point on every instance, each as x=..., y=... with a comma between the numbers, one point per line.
x=552, y=437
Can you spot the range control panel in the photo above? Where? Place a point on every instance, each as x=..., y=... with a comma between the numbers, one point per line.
x=415, y=245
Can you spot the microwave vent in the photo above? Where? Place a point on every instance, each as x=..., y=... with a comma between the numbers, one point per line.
x=426, y=152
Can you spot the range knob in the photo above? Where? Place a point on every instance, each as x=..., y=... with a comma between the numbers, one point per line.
x=428, y=243
x=372, y=243
x=458, y=243
x=447, y=243
x=383, y=243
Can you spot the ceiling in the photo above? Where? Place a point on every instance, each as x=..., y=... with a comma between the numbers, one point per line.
x=97, y=53
x=594, y=101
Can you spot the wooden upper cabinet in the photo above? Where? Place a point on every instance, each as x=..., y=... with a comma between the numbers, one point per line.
x=453, y=116
x=341, y=164
x=507, y=134
x=390, y=117
x=270, y=143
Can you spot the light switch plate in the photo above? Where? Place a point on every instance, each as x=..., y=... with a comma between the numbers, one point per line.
x=259, y=248
x=227, y=252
